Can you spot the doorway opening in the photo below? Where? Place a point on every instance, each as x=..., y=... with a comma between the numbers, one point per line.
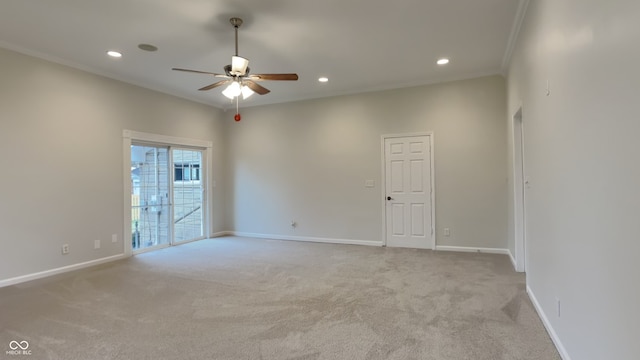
x=519, y=185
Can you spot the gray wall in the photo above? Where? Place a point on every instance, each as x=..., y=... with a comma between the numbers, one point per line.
x=581, y=156
x=308, y=161
x=62, y=171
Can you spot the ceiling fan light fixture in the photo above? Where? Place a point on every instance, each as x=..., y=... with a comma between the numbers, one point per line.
x=246, y=92
x=232, y=90
x=239, y=65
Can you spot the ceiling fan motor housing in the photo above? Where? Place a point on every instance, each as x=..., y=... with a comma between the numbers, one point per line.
x=227, y=70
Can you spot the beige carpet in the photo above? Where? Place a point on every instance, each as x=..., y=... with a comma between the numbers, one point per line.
x=238, y=298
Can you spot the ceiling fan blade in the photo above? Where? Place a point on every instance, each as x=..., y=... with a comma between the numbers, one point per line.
x=200, y=72
x=214, y=85
x=255, y=87
x=260, y=77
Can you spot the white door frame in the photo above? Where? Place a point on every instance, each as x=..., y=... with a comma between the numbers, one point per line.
x=519, y=184
x=129, y=136
x=383, y=187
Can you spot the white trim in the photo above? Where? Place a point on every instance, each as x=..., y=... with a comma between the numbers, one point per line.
x=208, y=191
x=547, y=324
x=433, y=190
x=126, y=166
x=519, y=196
x=165, y=139
x=513, y=260
x=384, y=183
x=383, y=191
x=200, y=238
x=220, y=234
x=513, y=36
x=171, y=190
x=401, y=135
x=60, y=270
x=150, y=248
x=306, y=238
x=473, y=249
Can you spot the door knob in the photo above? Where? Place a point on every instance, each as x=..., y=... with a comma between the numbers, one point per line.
x=389, y=198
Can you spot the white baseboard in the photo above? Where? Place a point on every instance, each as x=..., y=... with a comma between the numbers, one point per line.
x=60, y=270
x=307, y=238
x=513, y=261
x=545, y=321
x=220, y=234
x=472, y=249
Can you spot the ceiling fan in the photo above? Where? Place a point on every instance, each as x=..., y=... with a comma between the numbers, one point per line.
x=238, y=77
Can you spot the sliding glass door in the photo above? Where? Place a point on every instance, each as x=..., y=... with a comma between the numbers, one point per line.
x=167, y=196
x=150, y=201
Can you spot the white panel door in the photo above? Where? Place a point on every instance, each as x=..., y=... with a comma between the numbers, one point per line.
x=408, y=210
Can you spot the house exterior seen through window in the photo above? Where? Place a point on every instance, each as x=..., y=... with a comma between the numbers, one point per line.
x=186, y=172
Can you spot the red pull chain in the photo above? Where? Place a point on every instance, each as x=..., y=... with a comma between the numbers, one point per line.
x=237, y=117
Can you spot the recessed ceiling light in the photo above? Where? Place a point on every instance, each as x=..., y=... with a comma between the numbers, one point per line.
x=442, y=61
x=323, y=79
x=148, y=47
x=114, y=54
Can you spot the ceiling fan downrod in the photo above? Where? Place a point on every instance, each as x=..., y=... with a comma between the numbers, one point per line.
x=236, y=22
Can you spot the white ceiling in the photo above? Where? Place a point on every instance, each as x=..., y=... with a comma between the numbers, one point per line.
x=361, y=45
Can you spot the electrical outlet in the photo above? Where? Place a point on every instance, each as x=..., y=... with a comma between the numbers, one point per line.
x=96, y=244
x=447, y=232
x=65, y=249
x=293, y=224
x=114, y=238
